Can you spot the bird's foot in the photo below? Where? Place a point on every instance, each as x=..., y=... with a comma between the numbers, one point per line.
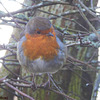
x=33, y=85
x=46, y=84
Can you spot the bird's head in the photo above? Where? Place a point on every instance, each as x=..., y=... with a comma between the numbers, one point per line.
x=40, y=39
x=40, y=25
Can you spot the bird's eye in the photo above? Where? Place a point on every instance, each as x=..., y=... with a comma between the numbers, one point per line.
x=38, y=32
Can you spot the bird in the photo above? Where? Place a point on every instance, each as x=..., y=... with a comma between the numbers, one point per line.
x=40, y=48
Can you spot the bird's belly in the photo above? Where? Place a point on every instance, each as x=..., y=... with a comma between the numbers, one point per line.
x=41, y=66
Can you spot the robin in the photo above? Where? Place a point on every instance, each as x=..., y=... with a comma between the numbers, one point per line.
x=41, y=50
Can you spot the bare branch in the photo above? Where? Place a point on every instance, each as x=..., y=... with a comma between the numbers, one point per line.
x=5, y=47
x=20, y=92
x=89, y=11
x=84, y=63
x=45, y=3
x=91, y=26
x=11, y=16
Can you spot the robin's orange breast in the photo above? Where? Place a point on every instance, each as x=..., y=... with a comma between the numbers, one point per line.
x=38, y=45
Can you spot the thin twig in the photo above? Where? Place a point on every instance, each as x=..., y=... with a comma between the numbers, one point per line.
x=5, y=47
x=54, y=83
x=76, y=60
x=89, y=11
x=1, y=79
x=20, y=84
x=91, y=26
x=92, y=4
x=62, y=94
x=11, y=15
x=12, y=20
x=6, y=56
x=9, y=24
x=20, y=92
x=7, y=90
x=35, y=7
x=9, y=70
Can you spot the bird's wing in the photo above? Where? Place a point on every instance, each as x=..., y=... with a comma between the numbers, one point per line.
x=59, y=35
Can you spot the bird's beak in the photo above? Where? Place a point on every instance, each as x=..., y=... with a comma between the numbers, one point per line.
x=50, y=34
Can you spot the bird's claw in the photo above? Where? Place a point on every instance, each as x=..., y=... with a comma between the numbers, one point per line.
x=47, y=84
